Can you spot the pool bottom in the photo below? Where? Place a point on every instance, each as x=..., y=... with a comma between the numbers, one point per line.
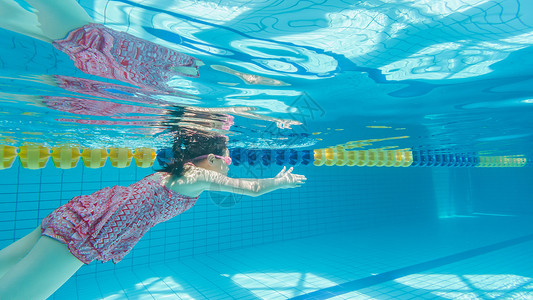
x=501, y=274
x=476, y=257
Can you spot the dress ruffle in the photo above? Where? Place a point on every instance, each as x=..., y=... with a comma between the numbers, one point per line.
x=95, y=210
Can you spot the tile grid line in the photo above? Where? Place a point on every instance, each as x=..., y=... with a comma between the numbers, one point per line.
x=416, y=268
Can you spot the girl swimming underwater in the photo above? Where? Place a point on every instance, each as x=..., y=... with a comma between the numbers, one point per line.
x=106, y=225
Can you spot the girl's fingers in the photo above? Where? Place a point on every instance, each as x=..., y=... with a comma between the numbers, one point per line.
x=281, y=172
x=296, y=179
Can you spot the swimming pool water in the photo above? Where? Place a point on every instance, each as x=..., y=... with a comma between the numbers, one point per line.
x=450, y=75
x=443, y=77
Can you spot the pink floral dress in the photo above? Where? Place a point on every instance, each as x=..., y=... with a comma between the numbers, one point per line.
x=107, y=224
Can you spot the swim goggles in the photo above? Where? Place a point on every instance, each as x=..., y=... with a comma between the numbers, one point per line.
x=226, y=159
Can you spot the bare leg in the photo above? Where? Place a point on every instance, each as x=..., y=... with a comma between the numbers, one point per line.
x=40, y=273
x=50, y=20
x=15, y=18
x=59, y=17
x=12, y=254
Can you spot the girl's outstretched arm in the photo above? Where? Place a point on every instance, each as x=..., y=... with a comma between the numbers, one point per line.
x=214, y=181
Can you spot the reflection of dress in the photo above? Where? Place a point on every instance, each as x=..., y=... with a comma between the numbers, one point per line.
x=81, y=106
x=108, y=223
x=98, y=50
x=112, y=91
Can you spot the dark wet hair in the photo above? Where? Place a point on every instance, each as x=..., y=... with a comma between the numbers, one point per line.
x=188, y=145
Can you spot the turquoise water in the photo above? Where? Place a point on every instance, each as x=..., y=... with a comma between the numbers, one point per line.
x=453, y=76
x=448, y=76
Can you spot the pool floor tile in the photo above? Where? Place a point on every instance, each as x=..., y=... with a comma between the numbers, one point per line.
x=321, y=268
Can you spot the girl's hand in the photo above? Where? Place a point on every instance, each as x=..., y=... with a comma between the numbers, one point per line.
x=288, y=180
x=286, y=124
